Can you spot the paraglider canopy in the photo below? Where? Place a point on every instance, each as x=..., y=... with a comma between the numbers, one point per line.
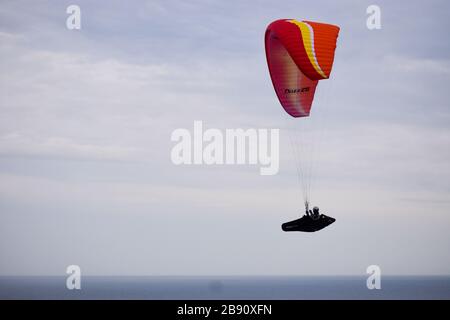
x=299, y=54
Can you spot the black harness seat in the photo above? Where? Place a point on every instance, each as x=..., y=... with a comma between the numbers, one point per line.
x=307, y=224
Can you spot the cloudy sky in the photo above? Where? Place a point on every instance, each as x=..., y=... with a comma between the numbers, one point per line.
x=86, y=118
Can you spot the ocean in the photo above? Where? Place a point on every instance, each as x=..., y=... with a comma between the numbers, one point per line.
x=226, y=287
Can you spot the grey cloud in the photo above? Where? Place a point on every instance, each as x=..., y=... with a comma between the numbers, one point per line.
x=85, y=140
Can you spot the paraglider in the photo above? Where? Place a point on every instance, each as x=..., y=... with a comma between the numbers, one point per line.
x=299, y=54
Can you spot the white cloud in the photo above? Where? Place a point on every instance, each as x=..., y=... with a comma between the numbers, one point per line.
x=423, y=66
x=18, y=145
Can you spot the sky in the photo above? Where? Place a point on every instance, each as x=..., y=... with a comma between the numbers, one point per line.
x=87, y=115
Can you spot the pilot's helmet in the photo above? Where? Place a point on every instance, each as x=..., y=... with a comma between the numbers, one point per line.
x=316, y=210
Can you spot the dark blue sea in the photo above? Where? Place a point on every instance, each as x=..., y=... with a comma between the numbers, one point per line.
x=258, y=288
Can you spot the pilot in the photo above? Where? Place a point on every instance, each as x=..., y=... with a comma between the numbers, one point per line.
x=315, y=215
